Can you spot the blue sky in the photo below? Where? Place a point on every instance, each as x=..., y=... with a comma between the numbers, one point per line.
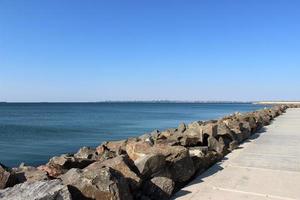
x=88, y=50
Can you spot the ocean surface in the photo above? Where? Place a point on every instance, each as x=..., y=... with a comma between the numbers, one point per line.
x=34, y=132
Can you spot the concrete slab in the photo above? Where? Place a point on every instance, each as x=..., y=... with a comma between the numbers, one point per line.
x=267, y=167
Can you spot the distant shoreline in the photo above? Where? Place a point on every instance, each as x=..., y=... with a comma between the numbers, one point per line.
x=164, y=102
x=158, y=102
x=276, y=102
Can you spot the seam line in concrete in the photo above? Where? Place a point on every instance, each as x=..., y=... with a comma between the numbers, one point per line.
x=271, y=155
x=253, y=193
x=266, y=169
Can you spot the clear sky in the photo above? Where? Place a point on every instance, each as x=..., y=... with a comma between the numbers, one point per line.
x=93, y=50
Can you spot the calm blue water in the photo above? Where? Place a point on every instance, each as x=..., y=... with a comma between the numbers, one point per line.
x=32, y=133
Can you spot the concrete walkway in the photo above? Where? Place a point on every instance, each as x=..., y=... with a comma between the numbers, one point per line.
x=267, y=167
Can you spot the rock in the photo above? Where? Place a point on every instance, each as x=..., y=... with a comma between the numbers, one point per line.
x=53, y=170
x=203, y=130
x=198, y=151
x=28, y=174
x=166, y=134
x=136, y=150
x=217, y=145
x=266, y=119
x=236, y=127
x=180, y=163
x=226, y=134
x=123, y=165
x=210, y=128
x=154, y=134
x=150, y=164
x=190, y=138
x=86, y=153
x=97, y=183
x=203, y=158
x=147, y=138
x=258, y=120
x=38, y=190
x=251, y=120
x=233, y=145
x=181, y=128
x=117, y=147
x=67, y=162
x=159, y=188
x=5, y=178
x=246, y=129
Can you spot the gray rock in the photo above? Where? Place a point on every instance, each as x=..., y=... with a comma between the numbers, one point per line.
x=86, y=153
x=97, y=183
x=181, y=128
x=68, y=162
x=28, y=173
x=217, y=145
x=39, y=190
x=150, y=164
x=123, y=165
x=5, y=177
x=233, y=145
x=181, y=165
x=159, y=188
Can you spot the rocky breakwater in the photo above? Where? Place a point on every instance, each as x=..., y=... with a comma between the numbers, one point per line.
x=152, y=166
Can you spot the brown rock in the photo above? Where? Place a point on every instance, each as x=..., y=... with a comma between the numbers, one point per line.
x=181, y=128
x=180, y=163
x=150, y=164
x=38, y=190
x=159, y=188
x=5, y=178
x=28, y=174
x=136, y=150
x=123, y=165
x=67, y=162
x=117, y=147
x=53, y=170
x=97, y=183
x=86, y=153
x=217, y=145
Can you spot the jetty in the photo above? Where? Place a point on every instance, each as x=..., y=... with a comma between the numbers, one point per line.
x=250, y=155
x=267, y=166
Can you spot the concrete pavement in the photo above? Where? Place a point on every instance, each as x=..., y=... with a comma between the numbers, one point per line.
x=264, y=167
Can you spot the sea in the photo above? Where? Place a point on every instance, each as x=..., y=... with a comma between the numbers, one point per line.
x=34, y=132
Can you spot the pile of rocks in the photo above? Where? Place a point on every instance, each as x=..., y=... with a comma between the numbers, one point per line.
x=152, y=166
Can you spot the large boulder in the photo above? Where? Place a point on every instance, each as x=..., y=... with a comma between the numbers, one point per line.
x=209, y=128
x=226, y=133
x=86, y=153
x=159, y=188
x=52, y=170
x=97, y=183
x=5, y=177
x=178, y=160
x=151, y=165
x=38, y=190
x=248, y=117
x=28, y=174
x=218, y=145
x=136, y=150
x=67, y=161
x=189, y=138
x=181, y=128
x=241, y=129
x=115, y=147
x=263, y=114
x=203, y=158
x=123, y=165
